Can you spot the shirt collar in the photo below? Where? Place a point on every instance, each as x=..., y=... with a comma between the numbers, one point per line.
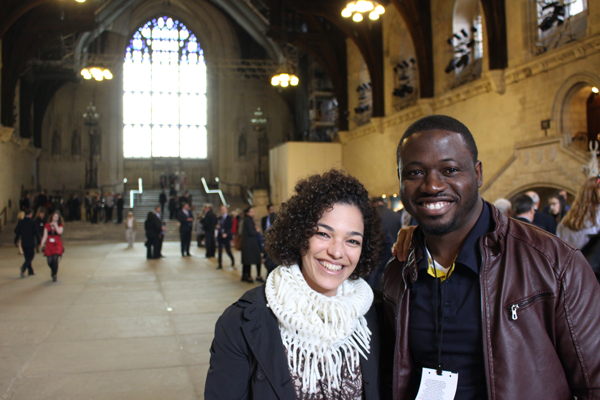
x=469, y=254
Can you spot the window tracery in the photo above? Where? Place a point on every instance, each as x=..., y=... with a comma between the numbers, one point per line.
x=164, y=98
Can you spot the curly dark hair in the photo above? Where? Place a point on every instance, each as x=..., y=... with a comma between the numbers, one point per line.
x=287, y=239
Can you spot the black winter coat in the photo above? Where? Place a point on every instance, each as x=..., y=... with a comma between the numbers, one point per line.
x=250, y=247
x=248, y=360
x=27, y=231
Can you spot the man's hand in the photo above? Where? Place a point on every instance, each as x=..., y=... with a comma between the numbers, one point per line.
x=403, y=243
x=224, y=236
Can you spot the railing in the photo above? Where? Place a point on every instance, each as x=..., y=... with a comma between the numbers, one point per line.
x=3, y=217
x=132, y=193
x=218, y=191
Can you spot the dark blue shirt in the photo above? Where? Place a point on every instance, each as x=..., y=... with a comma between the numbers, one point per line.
x=462, y=343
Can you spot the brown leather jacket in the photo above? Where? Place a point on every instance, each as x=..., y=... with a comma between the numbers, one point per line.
x=540, y=305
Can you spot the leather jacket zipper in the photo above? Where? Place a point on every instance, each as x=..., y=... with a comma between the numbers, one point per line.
x=513, y=308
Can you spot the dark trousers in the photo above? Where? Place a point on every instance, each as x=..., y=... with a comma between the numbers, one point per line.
x=29, y=253
x=153, y=248
x=108, y=211
x=88, y=214
x=119, y=215
x=225, y=242
x=246, y=271
x=53, y=263
x=210, y=244
x=162, y=208
x=186, y=238
x=96, y=215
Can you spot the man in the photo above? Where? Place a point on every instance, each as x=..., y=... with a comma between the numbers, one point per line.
x=87, y=202
x=541, y=220
x=109, y=203
x=185, y=229
x=209, y=223
x=162, y=199
x=154, y=229
x=524, y=209
x=75, y=208
x=172, y=207
x=29, y=234
x=161, y=237
x=265, y=224
x=391, y=223
x=42, y=200
x=120, y=203
x=508, y=311
x=224, y=236
x=504, y=206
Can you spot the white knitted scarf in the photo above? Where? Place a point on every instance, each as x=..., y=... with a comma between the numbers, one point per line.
x=316, y=329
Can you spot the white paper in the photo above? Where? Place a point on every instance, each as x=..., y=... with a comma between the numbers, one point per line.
x=437, y=387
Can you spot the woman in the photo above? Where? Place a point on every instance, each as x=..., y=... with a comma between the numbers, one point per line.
x=583, y=219
x=131, y=227
x=198, y=229
x=558, y=206
x=251, y=253
x=54, y=246
x=311, y=331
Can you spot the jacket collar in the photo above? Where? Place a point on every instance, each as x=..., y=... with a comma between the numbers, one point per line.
x=261, y=331
x=493, y=240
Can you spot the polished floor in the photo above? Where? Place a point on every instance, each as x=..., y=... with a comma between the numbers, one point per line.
x=114, y=326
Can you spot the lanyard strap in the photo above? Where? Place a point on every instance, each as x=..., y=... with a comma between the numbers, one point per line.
x=439, y=322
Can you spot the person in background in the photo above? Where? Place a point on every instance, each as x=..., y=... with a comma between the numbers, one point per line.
x=541, y=219
x=153, y=228
x=41, y=222
x=504, y=206
x=391, y=223
x=131, y=227
x=162, y=199
x=87, y=202
x=524, y=209
x=558, y=208
x=24, y=203
x=109, y=203
x=27, y=237
x=584, y=217
x=53, y=242
x=120, y=203
x=95, y=207
x=186, y=219
x=251, y=253
x=310, y=332
x=225, y=223
x=41, y=201
x=209, y=223
x=198, y=229
x=162, y=231
x=173, y=207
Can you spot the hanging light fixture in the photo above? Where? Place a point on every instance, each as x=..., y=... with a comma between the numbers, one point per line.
x=356, y=9
x=284, y=78
x=98, y=73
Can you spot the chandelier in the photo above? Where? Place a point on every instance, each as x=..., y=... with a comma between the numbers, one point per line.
x=356, y=9
x=284, y=79
x=98, y=73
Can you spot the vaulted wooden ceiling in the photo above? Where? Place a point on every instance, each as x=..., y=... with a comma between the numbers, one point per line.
x=28, y=28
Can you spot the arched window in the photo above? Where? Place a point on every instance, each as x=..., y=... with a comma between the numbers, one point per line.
x=164, y=99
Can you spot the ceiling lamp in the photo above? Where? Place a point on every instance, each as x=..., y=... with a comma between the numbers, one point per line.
x=356, y=9
x=284, y=79
x=98, y=73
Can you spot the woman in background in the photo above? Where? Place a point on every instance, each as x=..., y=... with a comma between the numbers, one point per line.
x=53, y=242
x=250, y=247
x=558, y=208
x=583, y=219
x=131, y=226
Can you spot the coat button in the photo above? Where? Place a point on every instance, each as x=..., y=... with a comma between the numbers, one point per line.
x=260, y=376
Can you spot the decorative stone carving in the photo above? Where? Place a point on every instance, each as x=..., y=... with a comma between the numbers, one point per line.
x=591, y=169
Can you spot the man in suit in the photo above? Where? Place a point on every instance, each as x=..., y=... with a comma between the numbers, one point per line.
x=185, y=229
x=268, y=219
x=120, y=203
x=391, y=223
x=224, y=236
x=154, y=230
x=87, y=201
x=524, y=209
x=162, y=199
x=163, y=230
x=209, y=223
x=173, y=207
x=541, y=220
x=29, y=234
x=109, y=203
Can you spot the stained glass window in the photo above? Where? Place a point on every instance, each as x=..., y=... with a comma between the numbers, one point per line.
x=164, y=93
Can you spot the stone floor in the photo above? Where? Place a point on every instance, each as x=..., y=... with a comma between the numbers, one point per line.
x=114, y=326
